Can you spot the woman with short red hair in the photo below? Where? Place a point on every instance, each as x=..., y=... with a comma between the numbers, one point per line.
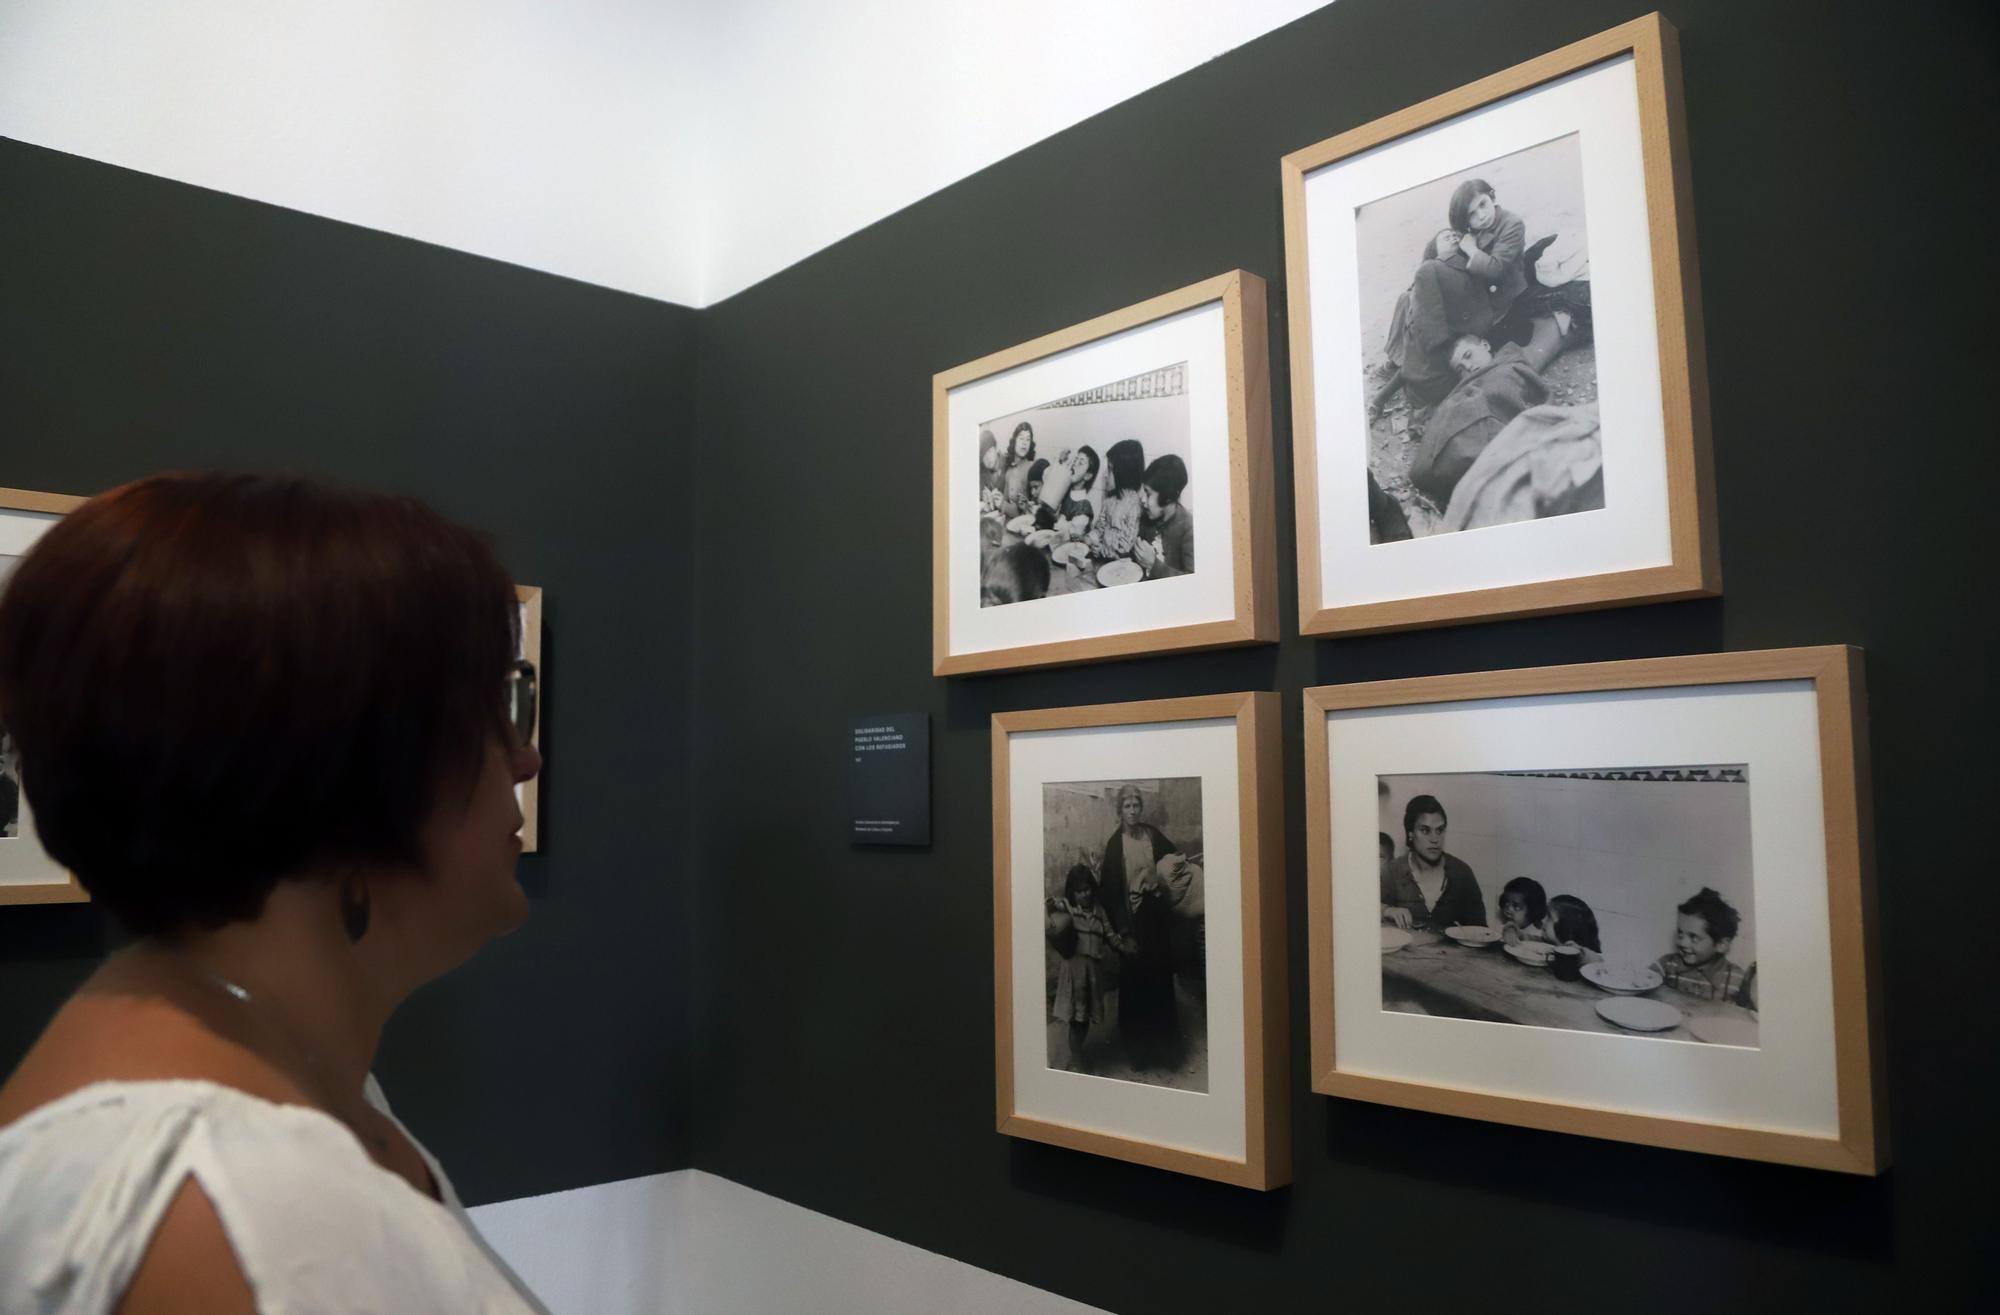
x=275, y=730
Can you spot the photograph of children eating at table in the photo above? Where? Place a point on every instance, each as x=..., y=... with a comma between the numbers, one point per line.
x=1599, y=899
x=1087, y=492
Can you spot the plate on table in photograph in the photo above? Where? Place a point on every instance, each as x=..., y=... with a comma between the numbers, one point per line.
x=1533, y=953
x=1472, y=936
x=1122, y=571
x=1393, y=939
x=1637, y=1015
x=1622, y=978
x=1725, y=1030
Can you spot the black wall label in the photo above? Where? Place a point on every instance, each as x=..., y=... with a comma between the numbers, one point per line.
x=889, y=779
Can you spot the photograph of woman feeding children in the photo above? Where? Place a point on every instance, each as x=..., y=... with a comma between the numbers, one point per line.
x=1476, y=337
x=1125, y=935
x=1087, y=492
x=1530, y=897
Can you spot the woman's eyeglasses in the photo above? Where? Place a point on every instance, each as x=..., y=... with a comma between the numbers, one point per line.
x=521, y=700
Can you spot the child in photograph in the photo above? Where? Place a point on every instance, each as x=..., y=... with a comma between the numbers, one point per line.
x=1080, y=972
x=989, y=460
x=1466, y=281
x=1166, y=540
x=1014, y=574
x=1116, y=528
x=1066, y=510
x=1493, y=387
x=1570, y=922
x=1014, y=469
x=1524, y=908
x=1035, y=475
x=1699, y=964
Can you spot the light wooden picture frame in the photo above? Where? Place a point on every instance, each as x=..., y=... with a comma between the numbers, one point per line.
x=1213, y=1102
x=1780, y=1061
x=27, y=874
x=1568, y=466
x=529, y=794
x=1021, y=580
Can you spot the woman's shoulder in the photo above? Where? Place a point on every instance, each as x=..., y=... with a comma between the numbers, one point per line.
x=87, y=1179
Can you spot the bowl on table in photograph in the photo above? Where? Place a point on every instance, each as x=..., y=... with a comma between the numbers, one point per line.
x=1473, y=936
x=1394, y=939
x=1072, y=554
x=1639, y=1015
x=1122, y=571
x=1725, y=1030
x=1533, y=953
x=1622, y=978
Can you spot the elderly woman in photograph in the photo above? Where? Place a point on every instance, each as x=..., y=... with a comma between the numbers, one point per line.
x=1467, y=280
x=1141, y=907
x=275, y=730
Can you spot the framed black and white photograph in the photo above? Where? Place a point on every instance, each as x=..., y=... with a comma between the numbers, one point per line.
x=1139, y=933
x=1497, y=370
x=1126, y=954
x=1475, y=299
x=1618, y=900
x=1630, y=899
x=27, y=874
x=1088, y=492
x=1105, y=490
x=528, y=604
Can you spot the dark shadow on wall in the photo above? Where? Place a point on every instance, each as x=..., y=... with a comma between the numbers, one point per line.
x=1833, y=1214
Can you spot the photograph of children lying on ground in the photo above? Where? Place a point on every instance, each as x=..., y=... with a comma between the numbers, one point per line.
x=1087, y=492
x=1477, y=354
x=1593, y=900
x=1125, y=935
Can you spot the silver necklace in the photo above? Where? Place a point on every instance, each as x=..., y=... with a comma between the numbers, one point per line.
x=242, y=995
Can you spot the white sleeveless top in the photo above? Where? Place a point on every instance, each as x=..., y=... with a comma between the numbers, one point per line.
x=317, y=1226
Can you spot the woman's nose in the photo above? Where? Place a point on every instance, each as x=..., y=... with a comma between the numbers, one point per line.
x=527, y=763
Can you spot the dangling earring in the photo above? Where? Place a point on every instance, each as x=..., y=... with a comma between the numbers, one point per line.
x=353, y=908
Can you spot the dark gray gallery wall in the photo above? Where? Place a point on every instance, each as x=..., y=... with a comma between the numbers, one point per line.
x=698, y=911
x=843, y=998
x=149, y=325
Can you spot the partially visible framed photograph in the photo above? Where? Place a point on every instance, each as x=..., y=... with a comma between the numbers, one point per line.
x=1631, y=900
x=1499, y=393
x=1139, y=933
x=529, y=599
x=1106, y=490
x=27, y=874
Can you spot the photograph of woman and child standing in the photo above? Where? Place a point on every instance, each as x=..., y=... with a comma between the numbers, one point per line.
x=1476, y=341
x=1487, y=878
x=1087, y=491
x=1126, y=944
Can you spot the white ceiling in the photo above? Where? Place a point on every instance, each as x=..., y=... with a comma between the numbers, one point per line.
x=680, y=149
